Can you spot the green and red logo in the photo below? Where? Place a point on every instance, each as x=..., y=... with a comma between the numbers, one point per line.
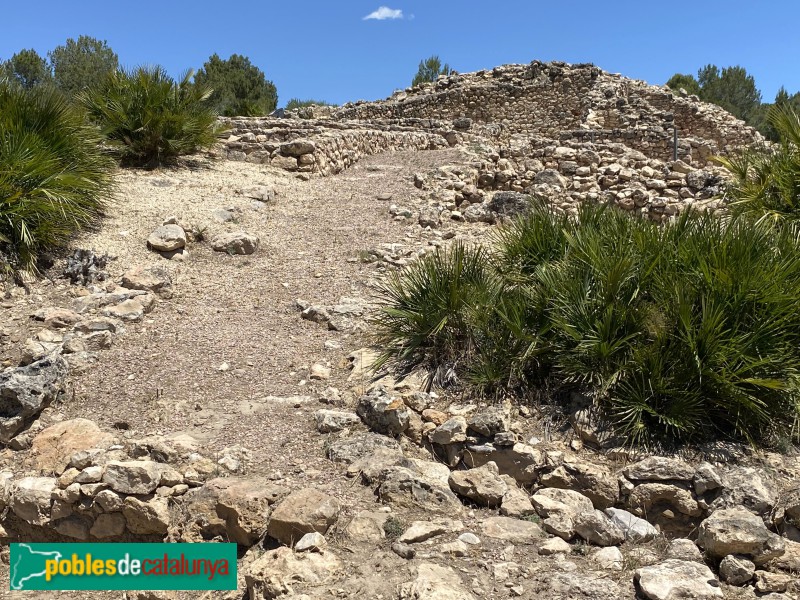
x=105, y=566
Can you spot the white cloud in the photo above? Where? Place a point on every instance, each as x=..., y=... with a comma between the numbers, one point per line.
x=383, y=13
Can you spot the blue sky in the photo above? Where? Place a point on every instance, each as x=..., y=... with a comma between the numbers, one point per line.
x=327, y=50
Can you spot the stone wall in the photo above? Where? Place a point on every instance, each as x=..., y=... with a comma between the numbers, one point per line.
x=321, y=147
x=554, y=98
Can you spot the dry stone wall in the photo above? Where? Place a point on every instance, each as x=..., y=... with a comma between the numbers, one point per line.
x=322, y=147
x=557, y=99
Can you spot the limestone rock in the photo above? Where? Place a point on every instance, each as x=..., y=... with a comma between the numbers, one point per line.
x=331, y=421
x=634, y=528
x=349, y=449
x=554, y=545
x=609, y=558
x=593, y=481
x=745, y=486
x=684, y=549
x=435, y=582
x=516, y=503
x=26, y=391
x=167, y=238
x=298, y=148
x=452, y=431
x=235, y=242
x=421, y=531
x=511, y=530
x=383, y=413
x=489, y=421
x=108, y=525
x=507, y=205
x=706, y=478
x=738, y=531
x=405, y=487
x=311, y=542
x=674, y=579
x=57, y=318
x=596, y=528
x=658, y=468
x=30, y=499
x=303, y=511
x=767, y=582
x=274, y=573
x=132, y=477
x=54, y=446
x=367, y=526
x=736, y=570
x=146, y=517
x=559, y=509
x=153, y=279
x=519, y=461
x=647, y=495
x=483, y=485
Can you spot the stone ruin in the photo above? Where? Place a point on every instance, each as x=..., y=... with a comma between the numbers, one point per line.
x=569, y=133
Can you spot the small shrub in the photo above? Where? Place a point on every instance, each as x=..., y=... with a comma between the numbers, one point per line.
x=393, y=528
x=766, y=181
x=295, y=103
x=149, y=117
x=54, y=178
x=683, y=331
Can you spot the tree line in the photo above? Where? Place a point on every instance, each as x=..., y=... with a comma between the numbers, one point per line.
x=240, y=88
x=734, y=89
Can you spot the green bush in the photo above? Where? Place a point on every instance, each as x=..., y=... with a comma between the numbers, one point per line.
x=684, y=331
x=54, y=178
x=240, y=89
x=295, y=103
x=149, y=117
x=766, y=181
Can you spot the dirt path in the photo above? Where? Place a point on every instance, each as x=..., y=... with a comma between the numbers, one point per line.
x=164, y=375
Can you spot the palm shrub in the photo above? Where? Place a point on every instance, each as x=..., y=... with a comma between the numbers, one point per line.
x=54, y=178
x=683, y=331
x=766, y=180
x=149, y=117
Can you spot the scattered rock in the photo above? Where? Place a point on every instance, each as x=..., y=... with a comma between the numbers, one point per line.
x=435, y=582
x=167, y=238
x=596, y=528
x=274, y=573
x=658, y=468
x=483, y=485
x=674, y=579
x=132, y=477
x=303, y=511
x=736, y=570
x=609, y=558
x=311, y=542
x=235, y=242
x=634, y=528
x=331, y=421
x=511, y=530
x=152, y=279
x=738, y=531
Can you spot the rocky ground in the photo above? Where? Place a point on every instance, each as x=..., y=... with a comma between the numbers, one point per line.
x=216, y=389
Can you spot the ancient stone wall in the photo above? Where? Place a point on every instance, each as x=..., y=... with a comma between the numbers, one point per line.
x=322, y=147
x=556, y=98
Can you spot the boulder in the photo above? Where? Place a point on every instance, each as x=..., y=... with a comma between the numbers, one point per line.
x=706, y=479
x=435, y=582
x=684, y=549
x=593, y=481
x=516, y=503
x=519, y=461
x=167, y=238
x=150, y=517
x=422, y=531
x=133, y=476
x=736, y=570
x=738, y=531
x=349, y=449
x=303, y=511
x=108, y=525
x=235, y=242
x=512, y=530
x=311, y=542
x=53, y=447
x=152, y=279
x=482, y=485
x=659, y=468
x=673, y=579
x=26, y=391
x=452, y=431
x=647, y=495
x=507, y=205
x=274, y=573
x=332, y=421
x=596, y=528
x=489, y=421
x=745, y=486
x=57, y=318
x=30, y=499
x=384, y=413
x=634, y=528
x=367, y=526
x=406, y=487
x=297, y=148
x=609, y=558
x=559, y=509
x=243, y=504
